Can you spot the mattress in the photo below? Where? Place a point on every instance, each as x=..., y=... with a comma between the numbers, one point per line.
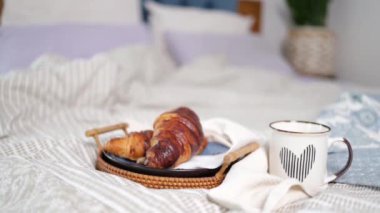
x=47, y=163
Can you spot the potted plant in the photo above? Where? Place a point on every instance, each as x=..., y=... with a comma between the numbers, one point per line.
x=310, y=45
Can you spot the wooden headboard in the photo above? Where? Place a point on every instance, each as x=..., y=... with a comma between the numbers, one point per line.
x=1, y=9
x=252, y=8
x=245, y=7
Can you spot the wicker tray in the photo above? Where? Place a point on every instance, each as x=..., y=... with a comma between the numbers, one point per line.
x=161, y=182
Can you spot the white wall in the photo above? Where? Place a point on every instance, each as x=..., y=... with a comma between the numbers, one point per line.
x=357, y=27
x=276, y=21
x=356, y=24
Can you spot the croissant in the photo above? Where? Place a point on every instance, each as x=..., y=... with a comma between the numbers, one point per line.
x=176, y=137
x=133, y=146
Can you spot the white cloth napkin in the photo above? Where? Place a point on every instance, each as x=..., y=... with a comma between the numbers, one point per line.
x=227, y=132
x=248, y=186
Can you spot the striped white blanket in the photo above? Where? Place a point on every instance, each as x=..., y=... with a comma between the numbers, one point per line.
x=46, y=163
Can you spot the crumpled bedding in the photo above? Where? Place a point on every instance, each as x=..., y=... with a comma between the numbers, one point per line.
x=47, y=164
x=357, y=118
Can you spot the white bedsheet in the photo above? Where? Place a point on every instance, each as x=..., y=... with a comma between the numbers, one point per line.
x=47, y=164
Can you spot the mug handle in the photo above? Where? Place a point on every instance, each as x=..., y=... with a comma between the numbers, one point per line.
x=337, y=175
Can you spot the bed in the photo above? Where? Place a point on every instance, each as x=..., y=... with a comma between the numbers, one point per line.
x=47, y=101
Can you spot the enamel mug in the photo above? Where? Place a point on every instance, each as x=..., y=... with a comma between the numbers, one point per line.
x=299, y=150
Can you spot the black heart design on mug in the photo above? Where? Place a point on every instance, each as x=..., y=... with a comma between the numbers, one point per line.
x=298, y=167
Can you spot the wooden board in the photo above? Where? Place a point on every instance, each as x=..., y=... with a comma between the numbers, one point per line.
x=252, y=8
x=1, y=8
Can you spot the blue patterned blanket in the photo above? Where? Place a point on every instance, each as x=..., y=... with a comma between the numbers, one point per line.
x=356, y=117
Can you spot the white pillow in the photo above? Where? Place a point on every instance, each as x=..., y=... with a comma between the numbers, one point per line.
x=24, y=12
x=165, y=18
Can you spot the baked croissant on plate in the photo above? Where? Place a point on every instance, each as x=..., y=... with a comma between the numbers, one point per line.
x=133, y=146
x=176, y=137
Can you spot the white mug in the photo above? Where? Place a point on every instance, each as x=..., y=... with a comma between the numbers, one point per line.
x=299, y=149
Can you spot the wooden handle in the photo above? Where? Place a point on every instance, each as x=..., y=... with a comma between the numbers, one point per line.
x=232, y=157
x=102, y=130
x=97, y=131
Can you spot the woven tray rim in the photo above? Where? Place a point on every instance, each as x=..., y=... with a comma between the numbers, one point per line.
x=160, y=182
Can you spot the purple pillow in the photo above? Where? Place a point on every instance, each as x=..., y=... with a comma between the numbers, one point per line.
x=240, y=50
x=19, y=46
